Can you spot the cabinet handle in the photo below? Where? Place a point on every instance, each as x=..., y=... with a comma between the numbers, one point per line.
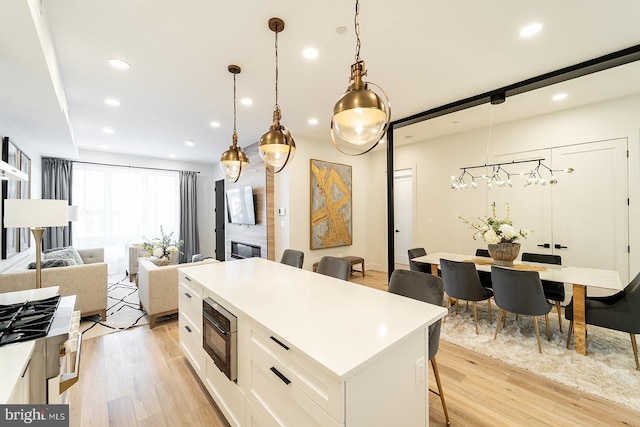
x=279, y=375
x=67, y=380
x=187, y=295
x=279, y=342
x=188, y=329
x=545, y=245
x=557, y=246
x=187, y=278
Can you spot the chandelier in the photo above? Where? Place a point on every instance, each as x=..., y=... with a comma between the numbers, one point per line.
x=501, y=173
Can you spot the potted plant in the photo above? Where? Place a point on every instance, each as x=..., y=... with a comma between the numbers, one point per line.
x=500, y=236
x=161, y=250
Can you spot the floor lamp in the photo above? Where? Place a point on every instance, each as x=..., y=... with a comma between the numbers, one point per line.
x=36, y=214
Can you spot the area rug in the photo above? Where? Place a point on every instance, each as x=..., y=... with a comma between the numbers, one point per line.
x=607, y=371
x=123, y=309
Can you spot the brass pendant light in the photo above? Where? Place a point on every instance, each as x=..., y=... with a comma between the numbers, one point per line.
x=361, y=116
x=233, y=160
x=277, y=147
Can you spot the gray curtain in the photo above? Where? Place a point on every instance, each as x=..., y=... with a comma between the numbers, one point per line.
x=188, y=215
x=56, y=184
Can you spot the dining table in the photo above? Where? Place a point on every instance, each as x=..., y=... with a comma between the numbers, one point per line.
x=580, y=278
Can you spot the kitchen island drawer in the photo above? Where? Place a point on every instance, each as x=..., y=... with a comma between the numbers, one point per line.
x=316, y=383
x=273, y=391
x=190, y=300
x=191, y=344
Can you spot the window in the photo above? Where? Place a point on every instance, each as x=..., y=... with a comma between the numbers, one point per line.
x=121, y=205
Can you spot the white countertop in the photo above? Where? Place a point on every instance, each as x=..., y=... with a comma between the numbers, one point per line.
x=28, y=295
x=339, y=324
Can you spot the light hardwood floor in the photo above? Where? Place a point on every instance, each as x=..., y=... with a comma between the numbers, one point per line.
x=139, y=377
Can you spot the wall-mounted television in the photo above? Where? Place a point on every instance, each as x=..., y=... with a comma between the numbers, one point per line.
x=240, y=207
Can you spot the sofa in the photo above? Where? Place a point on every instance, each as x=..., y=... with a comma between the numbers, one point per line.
x=87, y=281
x=158, y=288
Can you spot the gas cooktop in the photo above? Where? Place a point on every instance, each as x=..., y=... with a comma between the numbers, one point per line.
x=27, y=320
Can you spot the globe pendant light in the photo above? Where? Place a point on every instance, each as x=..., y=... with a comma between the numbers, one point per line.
x=277, y=147
x=361, y=116
x=233, y=160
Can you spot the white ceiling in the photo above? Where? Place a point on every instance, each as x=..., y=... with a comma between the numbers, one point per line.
x=423, y=53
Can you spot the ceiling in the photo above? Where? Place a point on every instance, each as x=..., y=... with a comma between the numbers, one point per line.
x=424, y=54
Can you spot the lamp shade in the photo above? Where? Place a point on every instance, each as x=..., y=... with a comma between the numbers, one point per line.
x=35, y=213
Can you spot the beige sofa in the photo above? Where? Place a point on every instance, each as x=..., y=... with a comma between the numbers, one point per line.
x=88, y=282
x=158, y=288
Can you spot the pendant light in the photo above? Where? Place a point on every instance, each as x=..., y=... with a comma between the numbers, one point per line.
x=361, y=116
x=233, y=160
x=277, y=147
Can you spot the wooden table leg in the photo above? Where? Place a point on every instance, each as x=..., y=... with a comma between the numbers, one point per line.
x=579, y=324
x=434, y=269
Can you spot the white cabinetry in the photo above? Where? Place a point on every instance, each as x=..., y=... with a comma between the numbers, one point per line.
x=306, y=360
x=20, y=393
x=190, y=323
x=284, y=385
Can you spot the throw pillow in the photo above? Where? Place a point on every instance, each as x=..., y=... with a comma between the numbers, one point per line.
x=54, y=262
x=68, y=252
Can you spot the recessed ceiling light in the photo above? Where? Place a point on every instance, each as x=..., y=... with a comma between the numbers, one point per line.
x=559, y=97
x=310, y=53
x=190, y=143
x=119, y=64
x=246, y=101
x=341, y=30
x=104, y=147
x=313, y=121
x=107, y=130
x=173, y=156
x=531, y=29
x=112, y=102
x=215, y=124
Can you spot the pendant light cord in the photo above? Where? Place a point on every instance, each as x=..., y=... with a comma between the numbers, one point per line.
x=357, y=27
x=234, y=104
x=277, y=107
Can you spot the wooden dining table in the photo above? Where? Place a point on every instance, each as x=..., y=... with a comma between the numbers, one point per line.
x=580, y=278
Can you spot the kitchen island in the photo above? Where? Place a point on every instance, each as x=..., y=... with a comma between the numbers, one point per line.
x=311, y=349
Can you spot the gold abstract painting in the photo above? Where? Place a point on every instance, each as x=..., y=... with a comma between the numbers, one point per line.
x=330, y=205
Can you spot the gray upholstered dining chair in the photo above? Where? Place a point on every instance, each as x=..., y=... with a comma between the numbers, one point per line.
x=485, y=276
x=415, y=265
x=620, y=312
x=427, y=288
x=461, y=281
x=292, y=257
x=339, y=268
x=554, y=291
x=520, y=292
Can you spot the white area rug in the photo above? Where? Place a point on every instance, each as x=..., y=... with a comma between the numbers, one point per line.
x=608, y=370
x=123, y=309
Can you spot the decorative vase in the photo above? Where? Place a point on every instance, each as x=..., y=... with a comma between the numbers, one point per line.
x=160, y=261
x=504, y=253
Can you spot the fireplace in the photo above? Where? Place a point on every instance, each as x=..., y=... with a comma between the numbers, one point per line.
x=244, y=250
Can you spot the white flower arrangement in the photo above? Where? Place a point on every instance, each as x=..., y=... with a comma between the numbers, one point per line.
x=161, y=248
x=494, y=230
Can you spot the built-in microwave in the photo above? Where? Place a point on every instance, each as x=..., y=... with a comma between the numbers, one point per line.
x=219, y=337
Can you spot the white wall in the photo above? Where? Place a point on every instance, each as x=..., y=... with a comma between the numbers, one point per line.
x=436, y=160
x=293, y=193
